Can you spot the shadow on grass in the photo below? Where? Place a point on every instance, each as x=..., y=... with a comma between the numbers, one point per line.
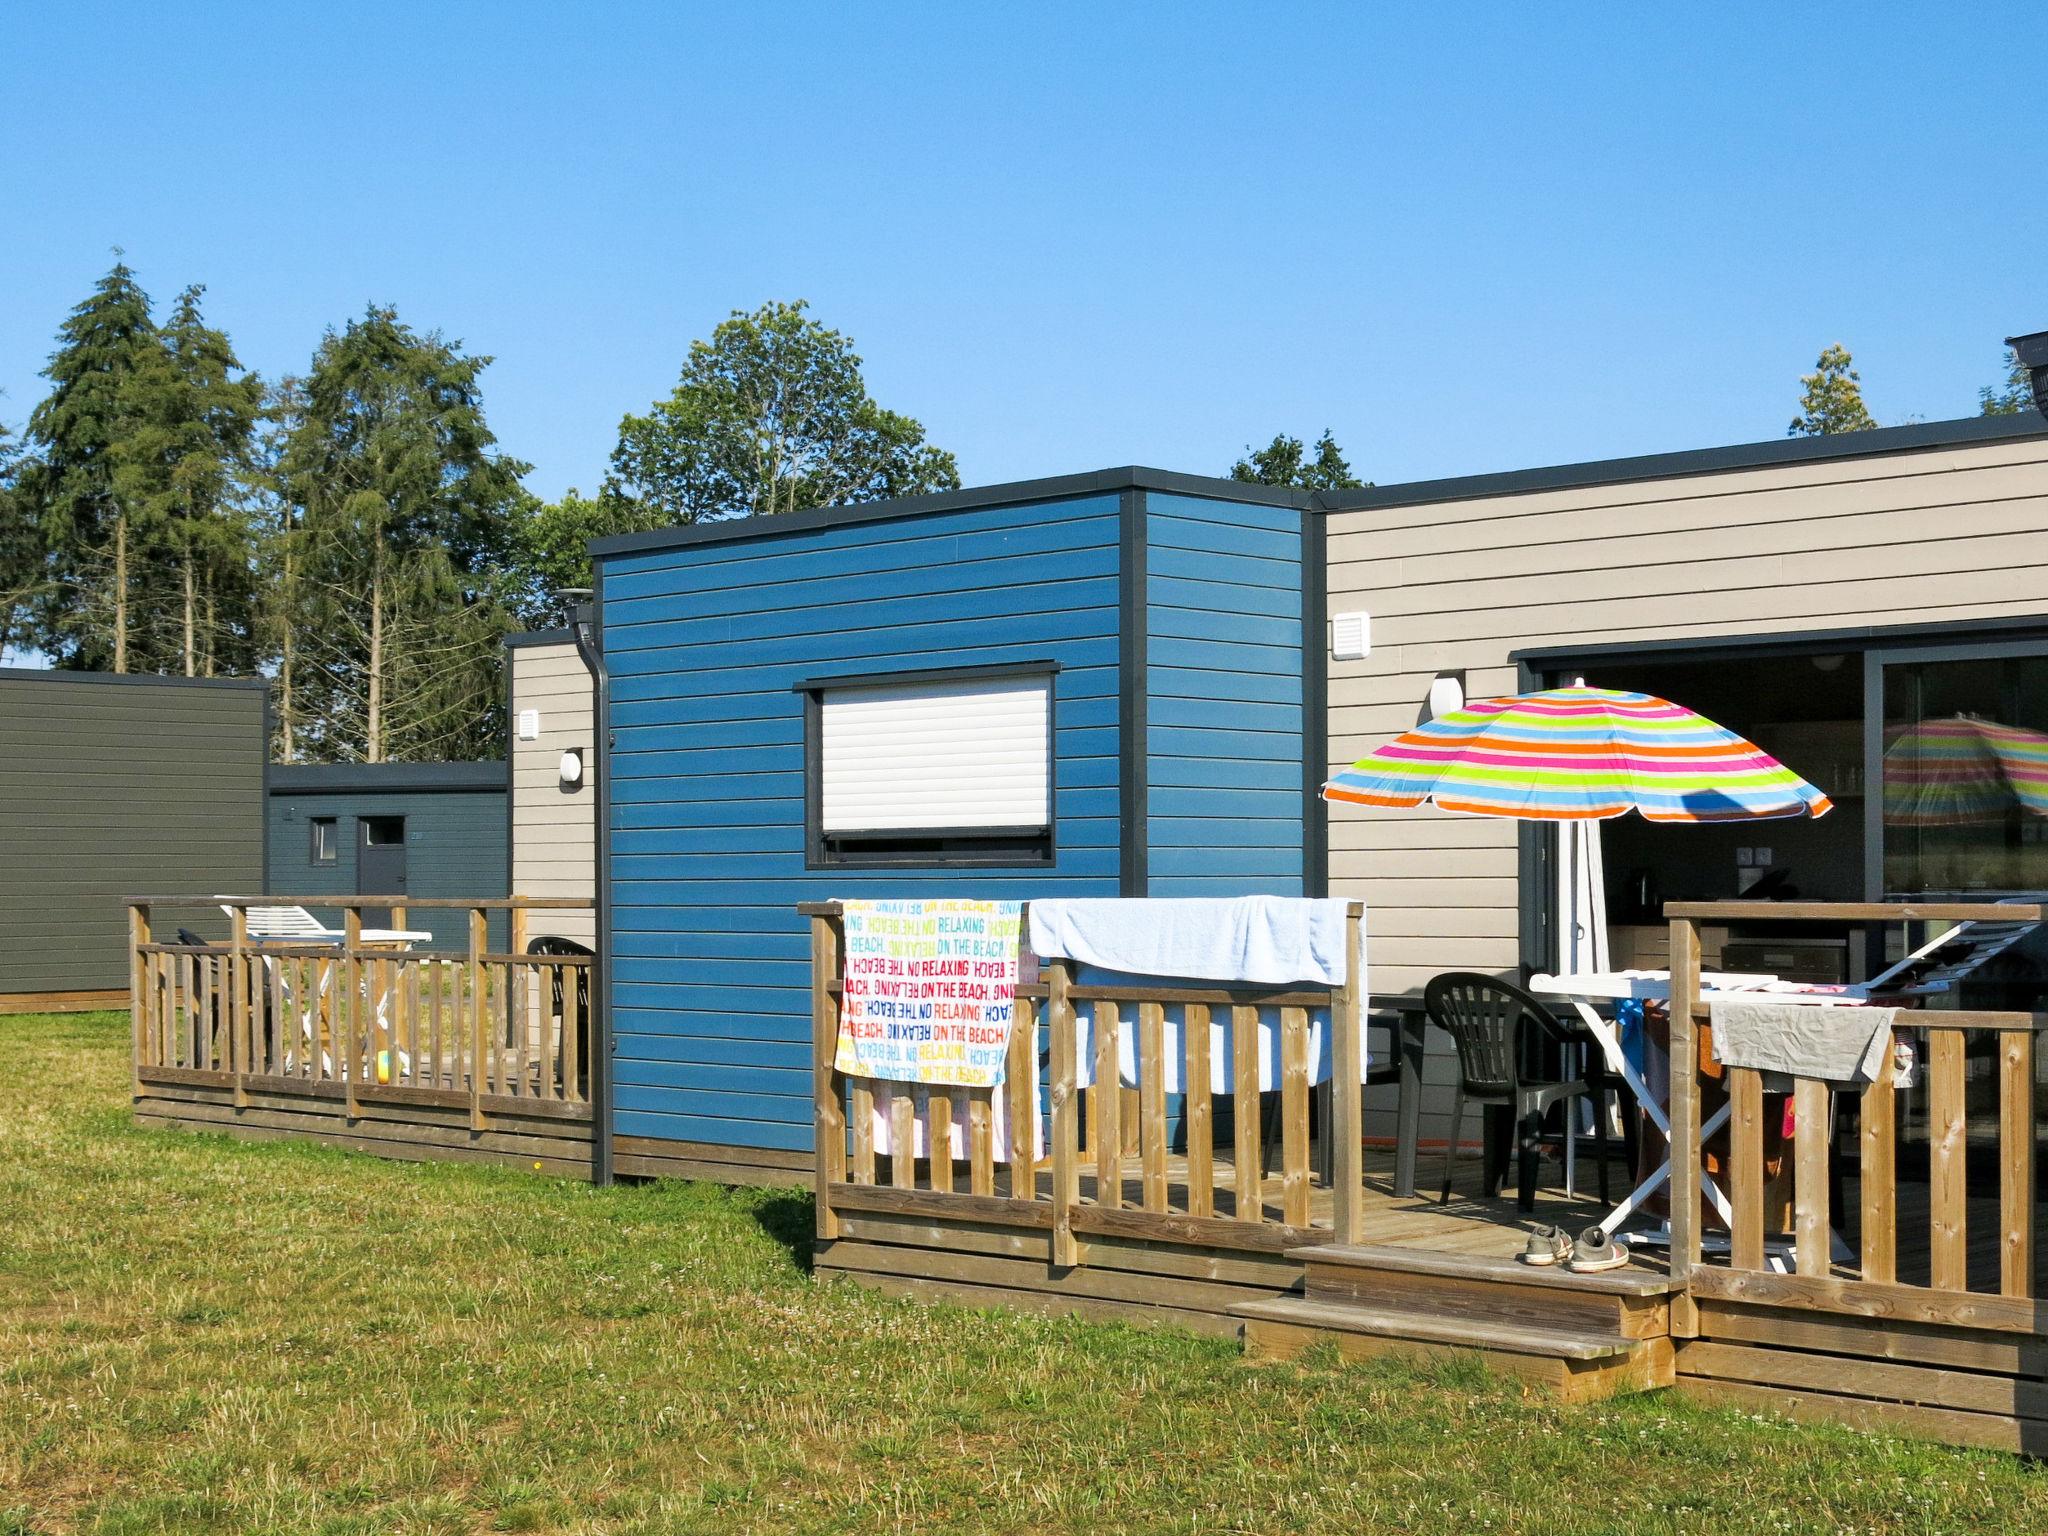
x=791, y=1219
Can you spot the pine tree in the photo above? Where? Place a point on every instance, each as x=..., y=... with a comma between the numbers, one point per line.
x=185, y=466
x=22, y=556
x=402, y=526
x=92, y=537
x=1833, y=399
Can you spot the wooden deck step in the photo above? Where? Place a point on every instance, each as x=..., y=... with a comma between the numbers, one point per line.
x=1578, y=1363
x=1456, y=1333
x=1633, y=1303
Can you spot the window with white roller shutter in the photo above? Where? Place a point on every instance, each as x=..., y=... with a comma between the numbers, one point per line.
x=945, y=770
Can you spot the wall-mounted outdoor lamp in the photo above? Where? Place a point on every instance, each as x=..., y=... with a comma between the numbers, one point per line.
x=572, y=770
x=2032, y=351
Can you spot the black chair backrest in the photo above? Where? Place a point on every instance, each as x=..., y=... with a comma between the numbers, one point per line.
x=1483, y=1015
x=549, y=944
x=192, y=940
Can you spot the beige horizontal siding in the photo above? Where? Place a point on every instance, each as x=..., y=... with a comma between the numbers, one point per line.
x=1907, y=537
x=554, y=852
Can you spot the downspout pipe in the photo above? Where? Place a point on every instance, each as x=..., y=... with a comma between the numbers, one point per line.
x=590, y=647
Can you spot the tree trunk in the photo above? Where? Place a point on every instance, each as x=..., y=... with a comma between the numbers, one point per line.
x=212, y=627
x=374, y=745
x=284, y=662
x=191, y=659
x=120, y=592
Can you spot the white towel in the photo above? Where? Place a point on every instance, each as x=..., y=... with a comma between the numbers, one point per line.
x=1836, y=1045
x=1272, y=940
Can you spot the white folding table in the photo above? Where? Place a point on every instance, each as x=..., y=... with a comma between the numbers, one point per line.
x=1584, y=989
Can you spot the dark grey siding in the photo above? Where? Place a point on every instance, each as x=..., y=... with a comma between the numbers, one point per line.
x=455, y=832
x=113, y=787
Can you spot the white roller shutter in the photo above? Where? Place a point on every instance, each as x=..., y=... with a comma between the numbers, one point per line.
x=964, y=754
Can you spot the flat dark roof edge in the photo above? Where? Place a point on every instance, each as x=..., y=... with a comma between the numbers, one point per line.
x=386, y=778
x=1012, y=493
x=1847, y=637
x=539, y=637
x=1919, y=435
x=150, y=679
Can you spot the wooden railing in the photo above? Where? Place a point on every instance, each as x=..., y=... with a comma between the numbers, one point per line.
x=461, y=1026
x=1902, y=1265
x=1066, y=1165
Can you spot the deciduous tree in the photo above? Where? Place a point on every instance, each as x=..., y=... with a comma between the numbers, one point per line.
x=2012, y=397
x=772, y=415
x=1285, y=461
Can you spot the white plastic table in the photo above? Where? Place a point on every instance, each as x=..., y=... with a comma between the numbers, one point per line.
x=1583, y=989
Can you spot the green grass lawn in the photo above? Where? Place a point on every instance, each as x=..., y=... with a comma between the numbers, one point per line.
x=202, y=1335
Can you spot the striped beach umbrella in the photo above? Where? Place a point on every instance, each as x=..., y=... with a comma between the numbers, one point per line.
x=1960, y=771
x=1579, y=754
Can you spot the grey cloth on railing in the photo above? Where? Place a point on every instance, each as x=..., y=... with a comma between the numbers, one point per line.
x=1268, y=939
x=1836, y=1045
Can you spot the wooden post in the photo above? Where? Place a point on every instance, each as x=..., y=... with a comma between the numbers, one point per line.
x=827, y=1087
x=141, y=994
x=2016, y=1163
x=1020, y=1084
x=1685, y=1121
x=356, y=1014
x=1152, y=1105
x=1347, y=1103
x=1244, y=1113
x=1066, y=1120
x=1746, y=1168
x=519, y=1000
x=479, y=1016
x=240, y=1030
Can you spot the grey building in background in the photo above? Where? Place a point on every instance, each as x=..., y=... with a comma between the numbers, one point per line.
x=112, y=787
x=554, y=819
x=409, y=829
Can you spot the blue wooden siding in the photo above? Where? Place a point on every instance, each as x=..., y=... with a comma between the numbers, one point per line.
x=710, y=975
x=1224, y=687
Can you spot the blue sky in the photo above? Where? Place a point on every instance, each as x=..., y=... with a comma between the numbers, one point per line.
x=1068, y=237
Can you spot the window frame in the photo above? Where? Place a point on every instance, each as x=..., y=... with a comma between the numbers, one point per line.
x=314, y=824
x=965, y=847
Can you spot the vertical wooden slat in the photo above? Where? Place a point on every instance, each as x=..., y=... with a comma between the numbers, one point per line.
x=1152, y=1104
x=862, y=1096
x=435, y=979
x=1106, y=1106
x=1066, y=1119
x=1812, y=1230
x=138, y=993
x=1294, y=1188
x=2016, y=1163
x=415, y=1006
x=1685, y=1121
x=981, y=1151
x=827, y=1086
x=574, y=983
x=1244, y=1112
x=1746, y=1167
x=902, y=1137
x=349, y=1056
x=280, y=1024
x=240, y=1031
x=1877, y=1174
x=1020, y=1083
x=940, y=1116
x=1948, y=1154
x=1197, y=1112
x=1347, y=1103
x=479, y=1020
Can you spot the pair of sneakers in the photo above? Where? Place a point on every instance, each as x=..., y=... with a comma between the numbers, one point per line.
x=1592, y=1251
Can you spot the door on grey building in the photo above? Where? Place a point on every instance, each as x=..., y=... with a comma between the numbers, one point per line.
x=380, y=863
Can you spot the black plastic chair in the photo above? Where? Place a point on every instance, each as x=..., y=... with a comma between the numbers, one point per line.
x=548, y=944
x=1498, y=1028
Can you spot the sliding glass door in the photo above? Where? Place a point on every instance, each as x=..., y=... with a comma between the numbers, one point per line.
x=1957, y=757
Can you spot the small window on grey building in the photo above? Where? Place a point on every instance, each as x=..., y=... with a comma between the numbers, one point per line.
x=326, y=842
x=384, y=831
